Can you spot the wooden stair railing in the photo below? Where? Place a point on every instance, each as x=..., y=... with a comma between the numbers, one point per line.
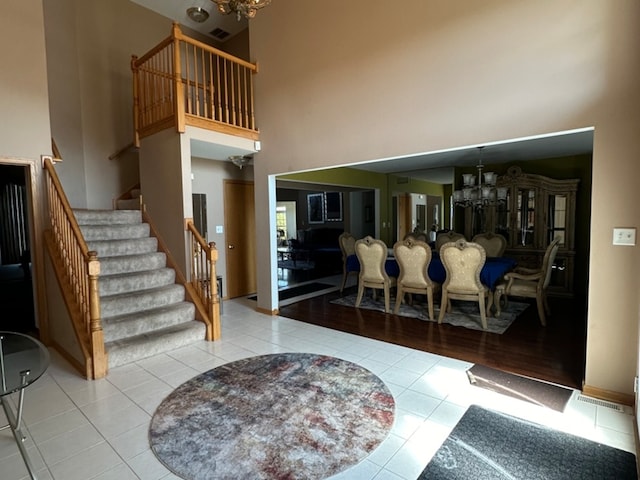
x=203, y=280
x=182, y=81
x=77, y=270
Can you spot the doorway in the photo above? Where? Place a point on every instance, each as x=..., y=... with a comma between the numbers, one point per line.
x=240, y=228
x=16, y=285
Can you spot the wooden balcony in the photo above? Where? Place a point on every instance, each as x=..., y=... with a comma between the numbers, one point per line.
x=182, y=81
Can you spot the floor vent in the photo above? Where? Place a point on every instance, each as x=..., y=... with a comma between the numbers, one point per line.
x=601, y=403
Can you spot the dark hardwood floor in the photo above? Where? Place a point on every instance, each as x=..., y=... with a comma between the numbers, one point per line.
x=555, y=353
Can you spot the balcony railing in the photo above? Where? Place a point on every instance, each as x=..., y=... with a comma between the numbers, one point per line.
x=182, y=81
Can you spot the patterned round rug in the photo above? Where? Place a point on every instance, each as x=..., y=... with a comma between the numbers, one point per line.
x=282, y=416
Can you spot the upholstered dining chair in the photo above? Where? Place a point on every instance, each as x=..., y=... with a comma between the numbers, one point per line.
x=347, y=247
x=449, y=236
x=530, y=283
x=463, y=262
x=372, y=254
x=493, y=243
x=413, y=257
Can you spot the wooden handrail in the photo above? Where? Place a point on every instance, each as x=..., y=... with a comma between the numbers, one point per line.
x=203, y=279
x=81, y=271
x=126, y=148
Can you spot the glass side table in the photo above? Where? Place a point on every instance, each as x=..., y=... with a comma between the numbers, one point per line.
x=23, y=360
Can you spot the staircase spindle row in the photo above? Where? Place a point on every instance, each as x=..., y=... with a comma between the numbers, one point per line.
x=183, y=81
x=203, y=278
x=81, y=268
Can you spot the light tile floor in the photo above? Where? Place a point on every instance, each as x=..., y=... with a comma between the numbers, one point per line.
x=80, y=430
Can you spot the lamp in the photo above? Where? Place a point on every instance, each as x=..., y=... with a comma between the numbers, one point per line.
x=480, y=194
x=240, y=160
x=242, y=8
x=197, y=14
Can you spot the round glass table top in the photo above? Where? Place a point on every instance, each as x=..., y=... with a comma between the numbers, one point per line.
x=23, y=359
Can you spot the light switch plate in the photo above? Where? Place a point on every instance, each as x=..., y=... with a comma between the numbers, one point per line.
x=624, y=236
x=218, y=228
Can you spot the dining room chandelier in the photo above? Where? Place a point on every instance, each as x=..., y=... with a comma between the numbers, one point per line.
x=242, y=8
x=479, y=194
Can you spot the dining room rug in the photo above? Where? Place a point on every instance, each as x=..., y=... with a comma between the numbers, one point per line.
x=528, y=389
x=279, y=416
x=493, y=445
x=463, y=314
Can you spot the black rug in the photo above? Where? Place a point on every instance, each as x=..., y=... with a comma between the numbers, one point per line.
x=491, y=445
x=516, y=386
x=292, y=292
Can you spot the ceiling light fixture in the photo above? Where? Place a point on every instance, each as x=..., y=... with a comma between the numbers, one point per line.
x=242, y=8
x=240, y=160
x=197, y=14
x=478, y=195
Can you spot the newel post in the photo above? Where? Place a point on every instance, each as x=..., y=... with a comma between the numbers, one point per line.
x=99, y=359
x=214, y=304
x=177, y=80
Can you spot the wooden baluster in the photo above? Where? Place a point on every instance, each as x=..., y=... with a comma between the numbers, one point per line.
x=214, y=303
x=97, y=335
x=211, y=89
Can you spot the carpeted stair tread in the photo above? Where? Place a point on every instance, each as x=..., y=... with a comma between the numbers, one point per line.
x=137, y=323
x=131, y=263
x=144, y=280
x=113, y=248
x=130, y=302
x=107, y=217
x=114, y=232
x=145, y=345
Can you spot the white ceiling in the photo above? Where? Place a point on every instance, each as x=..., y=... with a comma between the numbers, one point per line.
x=176, y=10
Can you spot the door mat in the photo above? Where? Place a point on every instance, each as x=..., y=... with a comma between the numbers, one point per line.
x=292, y=292
x=488, y=444
x=516, y=386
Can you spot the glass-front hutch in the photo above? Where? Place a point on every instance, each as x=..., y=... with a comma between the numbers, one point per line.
x=537, y=210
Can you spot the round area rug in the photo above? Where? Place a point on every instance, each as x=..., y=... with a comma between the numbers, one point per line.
x=283, y=416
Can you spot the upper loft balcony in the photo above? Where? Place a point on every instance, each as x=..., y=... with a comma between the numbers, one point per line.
x=182, y=81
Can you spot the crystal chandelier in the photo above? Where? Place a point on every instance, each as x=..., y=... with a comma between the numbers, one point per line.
x=480, y=194
x=242, y=8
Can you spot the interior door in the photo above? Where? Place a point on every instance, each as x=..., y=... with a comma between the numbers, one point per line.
x=240, y=228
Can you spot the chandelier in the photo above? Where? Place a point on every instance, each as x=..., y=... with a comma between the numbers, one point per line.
x=240, y=160
x=480, y=194
x=242, y=8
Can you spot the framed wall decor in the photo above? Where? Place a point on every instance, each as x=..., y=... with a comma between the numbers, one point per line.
x=315, y=207
x=333, y=206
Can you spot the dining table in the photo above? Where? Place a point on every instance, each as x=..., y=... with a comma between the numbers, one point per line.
x=492, y=271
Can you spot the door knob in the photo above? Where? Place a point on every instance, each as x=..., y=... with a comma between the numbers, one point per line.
x=231, y=247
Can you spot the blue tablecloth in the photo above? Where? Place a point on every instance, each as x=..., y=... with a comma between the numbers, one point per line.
x=492, y=271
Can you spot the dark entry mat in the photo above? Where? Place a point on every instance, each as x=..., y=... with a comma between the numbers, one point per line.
x=491, y=445
x=299, y=290
x=523, y=388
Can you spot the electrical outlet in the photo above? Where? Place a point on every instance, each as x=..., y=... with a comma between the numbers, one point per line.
x=624, y=236
x=218, y=228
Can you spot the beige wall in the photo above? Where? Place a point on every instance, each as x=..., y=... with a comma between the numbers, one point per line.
x=24, y=100
x=89, y=48
x=373, y=82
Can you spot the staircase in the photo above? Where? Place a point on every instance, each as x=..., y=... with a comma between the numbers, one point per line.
x=143, y=310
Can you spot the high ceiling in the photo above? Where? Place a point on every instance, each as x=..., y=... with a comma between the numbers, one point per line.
x=176, y=10
x=435, y=167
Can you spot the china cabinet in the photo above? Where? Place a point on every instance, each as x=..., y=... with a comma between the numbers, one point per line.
x=537, y=210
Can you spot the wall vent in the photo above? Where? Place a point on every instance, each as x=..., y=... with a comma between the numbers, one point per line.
x=401, y=180
x=601, y=403
x=219, y=33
